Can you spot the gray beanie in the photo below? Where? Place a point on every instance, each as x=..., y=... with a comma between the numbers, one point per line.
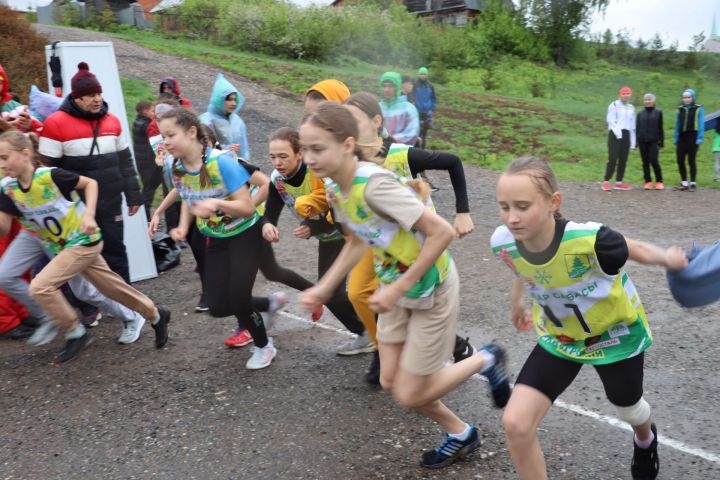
x=649, y=96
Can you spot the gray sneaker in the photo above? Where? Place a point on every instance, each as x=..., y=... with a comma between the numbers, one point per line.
x=131, y=329
x=361, y=344
x=45, y=333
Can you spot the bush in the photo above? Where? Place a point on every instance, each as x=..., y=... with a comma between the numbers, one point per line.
x=22, y=52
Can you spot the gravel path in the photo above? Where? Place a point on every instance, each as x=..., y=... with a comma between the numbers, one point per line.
x=193, y=411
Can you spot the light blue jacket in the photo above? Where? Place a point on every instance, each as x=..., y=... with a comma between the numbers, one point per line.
x=229, y=129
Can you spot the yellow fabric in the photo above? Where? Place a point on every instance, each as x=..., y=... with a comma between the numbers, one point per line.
x=314, y=204
x=333, y=90
x=362, y=283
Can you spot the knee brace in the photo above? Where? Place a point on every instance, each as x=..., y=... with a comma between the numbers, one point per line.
x=635, y=414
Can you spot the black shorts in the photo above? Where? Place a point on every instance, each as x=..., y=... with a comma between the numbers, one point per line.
x=551, y=375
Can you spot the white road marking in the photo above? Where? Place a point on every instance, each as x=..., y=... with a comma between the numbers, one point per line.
x=662, y=439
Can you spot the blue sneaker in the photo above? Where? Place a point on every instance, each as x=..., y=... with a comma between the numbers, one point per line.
x=450, y=450
x=497, y=375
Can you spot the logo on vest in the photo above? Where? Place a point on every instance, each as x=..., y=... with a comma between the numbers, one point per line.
x=577, y=265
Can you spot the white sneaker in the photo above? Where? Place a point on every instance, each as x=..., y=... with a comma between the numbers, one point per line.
x=131, y=329
x=261, y=357
x=361, y=344
x=277, y=301
x=45, y=333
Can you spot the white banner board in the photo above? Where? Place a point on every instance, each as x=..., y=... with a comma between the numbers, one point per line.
x=100, y=56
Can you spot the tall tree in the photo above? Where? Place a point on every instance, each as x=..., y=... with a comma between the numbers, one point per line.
x=560, y=22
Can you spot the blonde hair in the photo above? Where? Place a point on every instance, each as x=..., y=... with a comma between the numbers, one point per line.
x=19, y=141
x=539, y=172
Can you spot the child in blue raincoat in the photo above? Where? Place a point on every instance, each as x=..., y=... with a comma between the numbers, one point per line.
x=222, y=117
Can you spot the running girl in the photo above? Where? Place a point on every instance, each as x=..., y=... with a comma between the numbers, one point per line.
x=585, y=309
x=213, y=188
x=418, y=300
x=47, y=203
x=405, y=162
x=292, y=185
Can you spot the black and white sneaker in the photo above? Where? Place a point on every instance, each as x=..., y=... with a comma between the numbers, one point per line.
x=73, y=348
x=645, y=462
x=161, y=327
x=463, y=349
x=202, y=305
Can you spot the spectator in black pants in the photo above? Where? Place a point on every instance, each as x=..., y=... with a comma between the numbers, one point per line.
x=621, y=138
x=689, y=134
x=650, y=138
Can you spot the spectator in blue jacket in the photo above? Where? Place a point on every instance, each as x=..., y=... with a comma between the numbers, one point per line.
x=689, y=134
x=222, y=116
x=425, y=102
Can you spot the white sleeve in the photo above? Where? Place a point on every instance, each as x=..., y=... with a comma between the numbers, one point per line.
x=612, y=122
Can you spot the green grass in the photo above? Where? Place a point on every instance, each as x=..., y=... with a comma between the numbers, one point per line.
x=135, y=91
x=566, y=124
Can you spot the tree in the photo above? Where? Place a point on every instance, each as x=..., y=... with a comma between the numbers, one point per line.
x=656, y=48
x=560, y=22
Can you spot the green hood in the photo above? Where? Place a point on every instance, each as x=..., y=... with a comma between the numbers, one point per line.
x=395, y=78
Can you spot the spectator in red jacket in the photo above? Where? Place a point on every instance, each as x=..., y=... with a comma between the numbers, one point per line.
x=171, y=88
x=84, y=138
x=18, y=117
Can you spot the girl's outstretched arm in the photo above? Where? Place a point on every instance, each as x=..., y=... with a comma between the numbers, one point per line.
x=673, y=258
x=349, y=256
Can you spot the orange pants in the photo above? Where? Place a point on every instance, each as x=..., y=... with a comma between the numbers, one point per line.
x=362, y=283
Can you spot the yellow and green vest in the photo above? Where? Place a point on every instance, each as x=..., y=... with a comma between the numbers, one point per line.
x=220, y=224
x=48, y=214
x=580, y=313
x=289, y=194
x=394, y=249
x=397, y=160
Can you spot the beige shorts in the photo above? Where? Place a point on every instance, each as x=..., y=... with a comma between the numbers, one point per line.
x=428, y=335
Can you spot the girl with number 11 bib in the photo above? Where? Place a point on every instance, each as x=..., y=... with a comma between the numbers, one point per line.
x=585, y=310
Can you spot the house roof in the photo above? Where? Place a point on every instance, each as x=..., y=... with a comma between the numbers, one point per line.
x=164, y=4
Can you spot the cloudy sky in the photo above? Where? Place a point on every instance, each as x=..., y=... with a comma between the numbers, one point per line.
x=673, y=19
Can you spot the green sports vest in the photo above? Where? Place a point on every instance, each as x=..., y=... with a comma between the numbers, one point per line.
x=289, y=194
x=220, y=224
x=394, y=249
x=580, y=313
x=48, y=214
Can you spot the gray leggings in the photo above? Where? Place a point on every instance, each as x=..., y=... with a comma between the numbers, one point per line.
x=24, y=251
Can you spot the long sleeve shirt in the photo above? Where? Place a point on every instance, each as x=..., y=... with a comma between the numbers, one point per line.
x=621, y=116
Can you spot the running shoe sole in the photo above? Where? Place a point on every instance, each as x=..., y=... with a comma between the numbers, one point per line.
x=357, y=351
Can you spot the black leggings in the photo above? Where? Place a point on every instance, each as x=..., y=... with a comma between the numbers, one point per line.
x=618, y=151
x=687, y=146
x=551, y=375
x=198, y=246
x=231, y=265
x=339, y=304
x=272, y=271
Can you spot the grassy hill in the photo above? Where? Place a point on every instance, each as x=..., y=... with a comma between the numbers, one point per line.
x=491, y=116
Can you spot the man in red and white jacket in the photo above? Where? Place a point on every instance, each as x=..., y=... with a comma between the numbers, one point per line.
x=85, y=138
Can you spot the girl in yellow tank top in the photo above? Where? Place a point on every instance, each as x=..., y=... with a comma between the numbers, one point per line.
x=585, y=309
